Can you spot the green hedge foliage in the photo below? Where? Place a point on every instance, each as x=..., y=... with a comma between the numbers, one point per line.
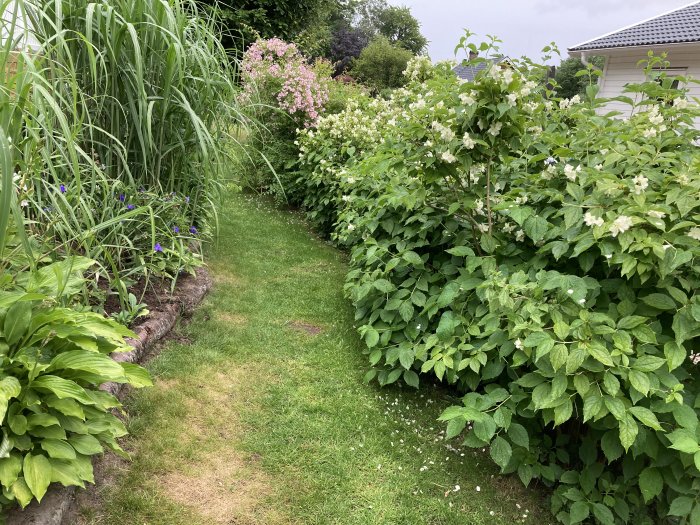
x=539, y=254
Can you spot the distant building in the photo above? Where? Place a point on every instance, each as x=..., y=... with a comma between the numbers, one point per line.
x=676, y=32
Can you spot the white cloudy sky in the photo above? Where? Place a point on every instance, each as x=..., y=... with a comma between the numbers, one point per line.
x=526, y=26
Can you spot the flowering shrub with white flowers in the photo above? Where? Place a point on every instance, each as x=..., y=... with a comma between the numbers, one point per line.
x=540, y=255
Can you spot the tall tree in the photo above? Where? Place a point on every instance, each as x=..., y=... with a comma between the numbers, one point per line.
x=569, y=83
x=401, y=28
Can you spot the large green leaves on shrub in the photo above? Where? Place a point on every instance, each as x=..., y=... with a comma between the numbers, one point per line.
x=539, y=255
x=52, y=361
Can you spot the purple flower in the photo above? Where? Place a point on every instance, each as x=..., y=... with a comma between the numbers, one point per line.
x=187, y=199
x=130, y=206
x=158, y=247
x=122, y=197
x=193, y=230
x=176, y=229
x=63, y=188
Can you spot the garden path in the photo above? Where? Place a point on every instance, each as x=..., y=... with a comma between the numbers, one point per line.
x=259, y=414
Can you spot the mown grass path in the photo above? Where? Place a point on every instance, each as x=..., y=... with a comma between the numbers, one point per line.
x=259, y=414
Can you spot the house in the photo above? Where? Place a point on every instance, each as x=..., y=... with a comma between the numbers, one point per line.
x=676, y=32
x=467, y=71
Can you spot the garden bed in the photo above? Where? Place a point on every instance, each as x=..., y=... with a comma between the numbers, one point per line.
x=165, y=311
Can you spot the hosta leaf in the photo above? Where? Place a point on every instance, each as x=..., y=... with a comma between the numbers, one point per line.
x=37, y=474
x=92, y=362
x=65, y=472
x=21, y=492
x=58, y=449
x=17, y=320
x=85, y=444
x=9, y=388
x=501, y=452
x=62, y=388
x=10, y=467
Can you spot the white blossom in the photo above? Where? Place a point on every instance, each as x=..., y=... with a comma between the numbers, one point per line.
x=641, y=183
x=495, y=129
x=467, y=99
x=468, y=142
x=570, y=172
x=649, y=133
x=656, y=214
x=512, y=99
x=351, y=227
x=680, y=103
x=519, y=346
x=655, y=117
x=694, y=233
x=592, y=220
x=448, y=157
x=620, y=225
x=520, y=235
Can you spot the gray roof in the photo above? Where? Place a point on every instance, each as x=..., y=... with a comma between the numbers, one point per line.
x=468, y=72
x=679, y=26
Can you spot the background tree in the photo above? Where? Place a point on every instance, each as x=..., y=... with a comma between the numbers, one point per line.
x=401, y=28
x=247, y=20
x=381, y=65
x=569, y=83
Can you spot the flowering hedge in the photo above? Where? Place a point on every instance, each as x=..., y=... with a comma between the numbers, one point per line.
x=540, y=255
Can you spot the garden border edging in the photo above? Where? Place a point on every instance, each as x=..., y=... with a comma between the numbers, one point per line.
x=190, y=292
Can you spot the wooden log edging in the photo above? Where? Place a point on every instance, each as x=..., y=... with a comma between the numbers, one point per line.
x=57, y=502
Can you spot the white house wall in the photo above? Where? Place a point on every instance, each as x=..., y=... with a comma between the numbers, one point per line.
x=622, y=68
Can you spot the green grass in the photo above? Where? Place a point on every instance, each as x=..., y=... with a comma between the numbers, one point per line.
x=259, y=422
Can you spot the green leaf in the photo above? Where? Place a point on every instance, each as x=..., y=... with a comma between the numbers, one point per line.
x=681, y=506
x=648, y=363
x=58, y=449
x=675, y=355
x=413, y=258
x=603, y=514
x=600, y=354
x=383, y=285
x=65, y=472
x=518, y=435
x=660, y=301
x=91, y=362
x=646, y=417
x=579, y=512
x=448, y=294
x=17, y=321
x=411, y=378
x=406, y=311
x=21, y=492
x=9, y=388
x=592, y=404
x=447, y=324
x=639, y=381
x=37, y=474
x=651, y=483
x=684, y=441
x=371, y=337
x=10, y=468
x=137, y=376
x=631, y=321
x=501, y=452
x=455, y=427
x=62, y=388
x=628, y=432
x=611, y=446
x=85, y=444
x=536, y=228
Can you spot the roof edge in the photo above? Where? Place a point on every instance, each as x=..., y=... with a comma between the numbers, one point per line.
x=577, y=52
x=591, y=40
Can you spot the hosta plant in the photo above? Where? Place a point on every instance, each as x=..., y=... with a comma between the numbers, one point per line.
x=53, y=359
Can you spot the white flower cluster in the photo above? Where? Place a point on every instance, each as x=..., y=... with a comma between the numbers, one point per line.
x=570, y=172
x=567, y=103
x=445, y=132
x=620, y=225
x=418, y=67
x=641, y=183
x=592, y=220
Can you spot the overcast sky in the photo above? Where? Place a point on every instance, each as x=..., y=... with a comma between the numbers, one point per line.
x=526, y=26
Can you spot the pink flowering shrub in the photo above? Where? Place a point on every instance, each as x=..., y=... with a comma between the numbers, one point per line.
x=279, y=74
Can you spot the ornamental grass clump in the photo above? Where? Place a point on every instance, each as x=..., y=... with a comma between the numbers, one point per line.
x=540, y=255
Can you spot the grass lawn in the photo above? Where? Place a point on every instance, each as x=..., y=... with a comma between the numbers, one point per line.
x=259, y=414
